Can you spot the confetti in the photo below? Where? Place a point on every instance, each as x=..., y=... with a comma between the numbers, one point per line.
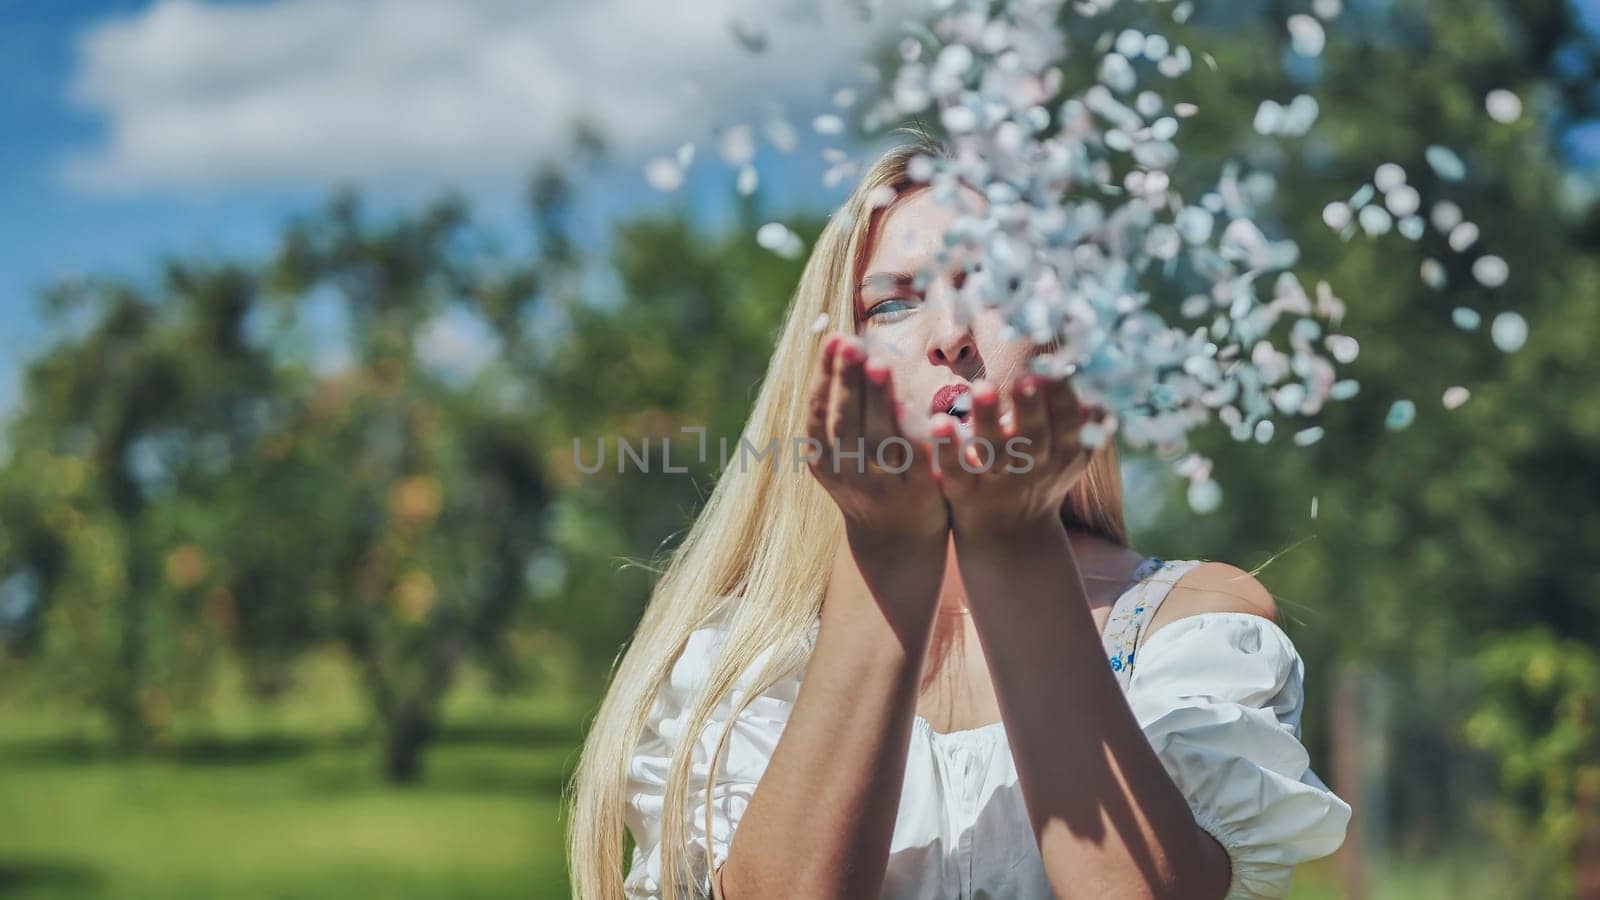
x=1509, y=331
x=1445, y=163
x=1455, y=396
x=1403, y=200
x=1313, y=507
x=1503, y=106
x=1306, y=35
x=1491, y=271
x=1085, y=212
x=738, y=145
x=1446, y=216
x=664, y=174
x=749, y=180
x=1375, y=221
x=1205, y=496
x=820, y=324
x=827, y=123
x=1388, y=177
x=1337, y=215
x=1463, y=236
x=1433, y=274
x=1401, y=415
x=777, y=237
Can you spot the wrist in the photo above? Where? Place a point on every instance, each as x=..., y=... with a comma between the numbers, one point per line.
x=1008, y=534
x=876, y=542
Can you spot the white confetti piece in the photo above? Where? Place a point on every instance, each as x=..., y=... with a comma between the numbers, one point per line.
x=1336, y=215
x=1306, y=35
x=828, y=124
x=1375, y=221
x=777, y=237
x=1463, y=236
x=1446, y=216
x=1204, y=496
x=738, y=145
x=1491, y=271
x=1509, y=331
x=1403, y=200
x=1308, y=436
x=820, y=324
x=1503, y=106
x=1433, y=274
x=1455, y=396
x=1388, y=177
x=1466, y=318
x=663, y=173
x=748, y=181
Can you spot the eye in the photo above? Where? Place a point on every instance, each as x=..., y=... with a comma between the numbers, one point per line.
x=890, y=310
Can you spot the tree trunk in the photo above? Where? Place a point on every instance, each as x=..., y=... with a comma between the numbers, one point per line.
x=408, y=733
x=1348, y=778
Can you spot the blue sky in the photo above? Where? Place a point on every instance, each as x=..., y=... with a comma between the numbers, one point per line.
x=141, y=128
x=137, y=129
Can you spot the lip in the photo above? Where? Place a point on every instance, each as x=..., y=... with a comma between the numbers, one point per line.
x=945, y=396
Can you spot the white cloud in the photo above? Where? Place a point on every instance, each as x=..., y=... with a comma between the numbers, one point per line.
x=196, y=95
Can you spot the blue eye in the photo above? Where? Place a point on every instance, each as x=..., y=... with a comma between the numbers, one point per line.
x=890, y=309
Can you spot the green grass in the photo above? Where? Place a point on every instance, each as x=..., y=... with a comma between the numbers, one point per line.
x=287, y=803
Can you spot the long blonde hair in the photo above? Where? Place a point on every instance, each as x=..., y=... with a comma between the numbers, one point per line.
x=766, y=536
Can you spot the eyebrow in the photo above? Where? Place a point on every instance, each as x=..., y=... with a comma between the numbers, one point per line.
x=887, y=279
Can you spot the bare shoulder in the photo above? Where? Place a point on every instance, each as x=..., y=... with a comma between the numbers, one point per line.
x=1214, y=587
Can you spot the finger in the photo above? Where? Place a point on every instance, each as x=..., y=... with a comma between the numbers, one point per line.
x=985, y=426
x=846, y=400
x=986, y=412
x=881, y=421
x=879, y=418
x=1032, y=418
x=1066, y=415
x=822, y=395
x=945, y=444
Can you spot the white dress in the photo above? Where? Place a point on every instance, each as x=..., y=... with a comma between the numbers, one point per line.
x=1218, y=694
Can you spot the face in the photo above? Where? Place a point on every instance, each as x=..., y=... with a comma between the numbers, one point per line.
x=933, y=358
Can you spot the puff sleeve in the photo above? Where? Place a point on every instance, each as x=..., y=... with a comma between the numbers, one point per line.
x=1219, y=695
x=750, y=746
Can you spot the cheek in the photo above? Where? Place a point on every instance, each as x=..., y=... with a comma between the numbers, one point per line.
x=1006, y=360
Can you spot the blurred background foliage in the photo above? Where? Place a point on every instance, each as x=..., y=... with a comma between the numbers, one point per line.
x=274, y=628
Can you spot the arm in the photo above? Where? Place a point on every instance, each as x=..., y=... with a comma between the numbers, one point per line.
x=1108, y=818
x=821, y=820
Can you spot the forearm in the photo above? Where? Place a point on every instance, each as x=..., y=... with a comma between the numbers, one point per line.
x=1108, y=818
x=821, y=821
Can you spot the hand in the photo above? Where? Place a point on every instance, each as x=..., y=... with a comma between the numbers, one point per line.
x=881, y=479
x=1021, y=478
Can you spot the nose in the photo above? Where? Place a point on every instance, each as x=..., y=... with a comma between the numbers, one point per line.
x=950, y=342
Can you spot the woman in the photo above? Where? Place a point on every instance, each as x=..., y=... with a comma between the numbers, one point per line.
x=918, y=681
